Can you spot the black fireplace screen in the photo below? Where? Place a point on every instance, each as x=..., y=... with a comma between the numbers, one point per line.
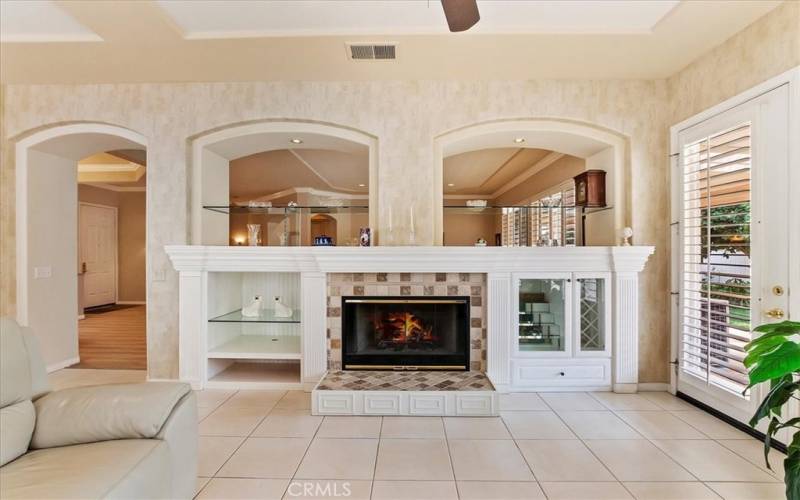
x=409, y=332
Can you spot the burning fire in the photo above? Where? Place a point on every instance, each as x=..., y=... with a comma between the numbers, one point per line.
x=403, y=328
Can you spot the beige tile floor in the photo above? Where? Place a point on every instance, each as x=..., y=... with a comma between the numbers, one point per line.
x=571, y=446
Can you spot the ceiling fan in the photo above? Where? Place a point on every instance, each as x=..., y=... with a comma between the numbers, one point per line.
x=461, y=14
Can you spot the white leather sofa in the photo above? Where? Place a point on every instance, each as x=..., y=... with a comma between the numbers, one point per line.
x=111, y=441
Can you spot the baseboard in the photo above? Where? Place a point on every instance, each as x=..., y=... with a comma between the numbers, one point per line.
x=63, y=364
x=131, y=302
x=653, y=387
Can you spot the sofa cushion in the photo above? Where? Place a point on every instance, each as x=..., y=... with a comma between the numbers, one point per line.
x=130, y=468
x=40, y=385
x=99, y=413
x=16, y=428
x=15, y=372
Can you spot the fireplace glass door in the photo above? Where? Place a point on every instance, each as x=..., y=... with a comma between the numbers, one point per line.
x=405, y=333
x=544, y=323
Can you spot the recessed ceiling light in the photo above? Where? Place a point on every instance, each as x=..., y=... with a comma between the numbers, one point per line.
x=519, y=140
x=450, y=184
x=296, y=141
x=362, y=185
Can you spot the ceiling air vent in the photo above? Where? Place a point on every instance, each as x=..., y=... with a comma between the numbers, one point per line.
x=372, y=52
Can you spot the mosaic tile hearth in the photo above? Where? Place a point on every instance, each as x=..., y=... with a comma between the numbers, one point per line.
x=374, y=380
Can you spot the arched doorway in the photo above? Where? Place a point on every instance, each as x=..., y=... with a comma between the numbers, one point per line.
x=49, y=267
x=600, y=147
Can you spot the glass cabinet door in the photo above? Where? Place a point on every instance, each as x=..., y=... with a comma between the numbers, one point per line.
x=593, y=314
x=543, y=324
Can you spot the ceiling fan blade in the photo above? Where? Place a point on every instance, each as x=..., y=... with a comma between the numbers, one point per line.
x=461, y=14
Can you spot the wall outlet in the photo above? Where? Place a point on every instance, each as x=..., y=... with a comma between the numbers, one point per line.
x=42, y=272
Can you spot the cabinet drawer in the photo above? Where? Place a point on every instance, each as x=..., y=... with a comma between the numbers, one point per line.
x=542, y=373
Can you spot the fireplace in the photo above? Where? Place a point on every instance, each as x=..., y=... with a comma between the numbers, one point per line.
x=425, y=333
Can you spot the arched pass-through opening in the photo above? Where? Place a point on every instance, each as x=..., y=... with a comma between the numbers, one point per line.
x=213, y=153
x=601, y=148
x=46, y=163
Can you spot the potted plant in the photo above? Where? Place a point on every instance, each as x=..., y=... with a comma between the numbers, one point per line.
x=774, y=357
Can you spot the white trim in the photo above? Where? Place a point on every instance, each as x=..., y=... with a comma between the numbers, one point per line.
x=205, y=140
x=108, y=167
x=81, y=317
x=116, y=244
x=60, y=365
x=312, y=191
x=409, y=403
x=117, y=189
x=302, y=160
x=131, y=302
x=21, y=203
x=532, y=126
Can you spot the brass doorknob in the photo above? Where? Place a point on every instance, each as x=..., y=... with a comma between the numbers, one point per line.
x=774, y=313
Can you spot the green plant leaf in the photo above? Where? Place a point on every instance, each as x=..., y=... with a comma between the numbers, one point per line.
x=775, y=364
x=791, y=466
x=756, y=350
x=777, y=396
x=788, y=327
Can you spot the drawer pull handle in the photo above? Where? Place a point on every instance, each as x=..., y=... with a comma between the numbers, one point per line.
x=561, y=373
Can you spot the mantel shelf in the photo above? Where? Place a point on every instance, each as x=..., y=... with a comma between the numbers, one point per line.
x=265, y=316
x=258, y=347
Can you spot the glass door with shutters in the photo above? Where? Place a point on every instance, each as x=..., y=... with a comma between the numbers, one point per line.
x=733, y=245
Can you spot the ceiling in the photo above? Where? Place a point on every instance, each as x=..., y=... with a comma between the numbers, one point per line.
x=486, y=171
x=269, y=172
x=89, y=41
x=123, y=168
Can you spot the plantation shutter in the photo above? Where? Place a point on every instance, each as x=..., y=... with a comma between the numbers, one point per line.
x=715, y=281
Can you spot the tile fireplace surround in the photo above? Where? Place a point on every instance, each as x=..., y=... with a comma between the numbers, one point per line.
x=472, y=285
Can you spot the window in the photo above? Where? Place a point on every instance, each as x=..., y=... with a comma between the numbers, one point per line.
x=550, y=220
x=715, y=309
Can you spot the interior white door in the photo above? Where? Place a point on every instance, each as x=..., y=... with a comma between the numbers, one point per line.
x=98, y=254
x=733, y=197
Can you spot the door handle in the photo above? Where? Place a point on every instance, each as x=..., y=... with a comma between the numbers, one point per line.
x=774, y=313
x=83, y=267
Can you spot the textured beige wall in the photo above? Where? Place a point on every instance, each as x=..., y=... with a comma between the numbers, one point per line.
x=404, y=116
x=766, y=48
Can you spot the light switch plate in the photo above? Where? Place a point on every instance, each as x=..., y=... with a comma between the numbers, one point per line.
x=42, y=272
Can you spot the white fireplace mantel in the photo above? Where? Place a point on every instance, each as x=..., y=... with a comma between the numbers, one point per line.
x=408, y=259
x=622, y=265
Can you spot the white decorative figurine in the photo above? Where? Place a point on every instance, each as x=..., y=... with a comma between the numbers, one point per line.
x=253, y=309
x=281, y=309
x=626, y=234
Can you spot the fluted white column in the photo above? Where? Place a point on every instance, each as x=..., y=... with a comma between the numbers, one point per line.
x=626, y=331
x=499, y=335
x=191, y=327
x=314, y=319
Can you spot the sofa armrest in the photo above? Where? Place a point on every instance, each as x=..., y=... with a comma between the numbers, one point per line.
x=105, y=412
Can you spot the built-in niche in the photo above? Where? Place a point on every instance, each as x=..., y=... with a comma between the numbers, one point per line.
x=284, y=184
x=519, y=183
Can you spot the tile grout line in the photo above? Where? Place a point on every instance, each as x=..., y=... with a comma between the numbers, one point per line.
x=293, y=478
x=377, y=454
x=450, y=457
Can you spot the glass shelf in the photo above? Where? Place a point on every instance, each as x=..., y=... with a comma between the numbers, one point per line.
x=275, y=210
x=499, y=210
x=266, y=316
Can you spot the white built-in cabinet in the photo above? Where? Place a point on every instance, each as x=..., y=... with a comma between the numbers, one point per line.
x=561, y=325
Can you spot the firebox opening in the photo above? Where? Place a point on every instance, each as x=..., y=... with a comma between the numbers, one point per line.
x=426, y=333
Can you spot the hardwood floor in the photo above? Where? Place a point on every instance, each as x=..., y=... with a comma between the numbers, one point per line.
x=114, y=340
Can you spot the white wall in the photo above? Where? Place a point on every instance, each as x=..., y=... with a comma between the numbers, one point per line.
x=52, y=242
x=600, y=225
x=215, y=173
